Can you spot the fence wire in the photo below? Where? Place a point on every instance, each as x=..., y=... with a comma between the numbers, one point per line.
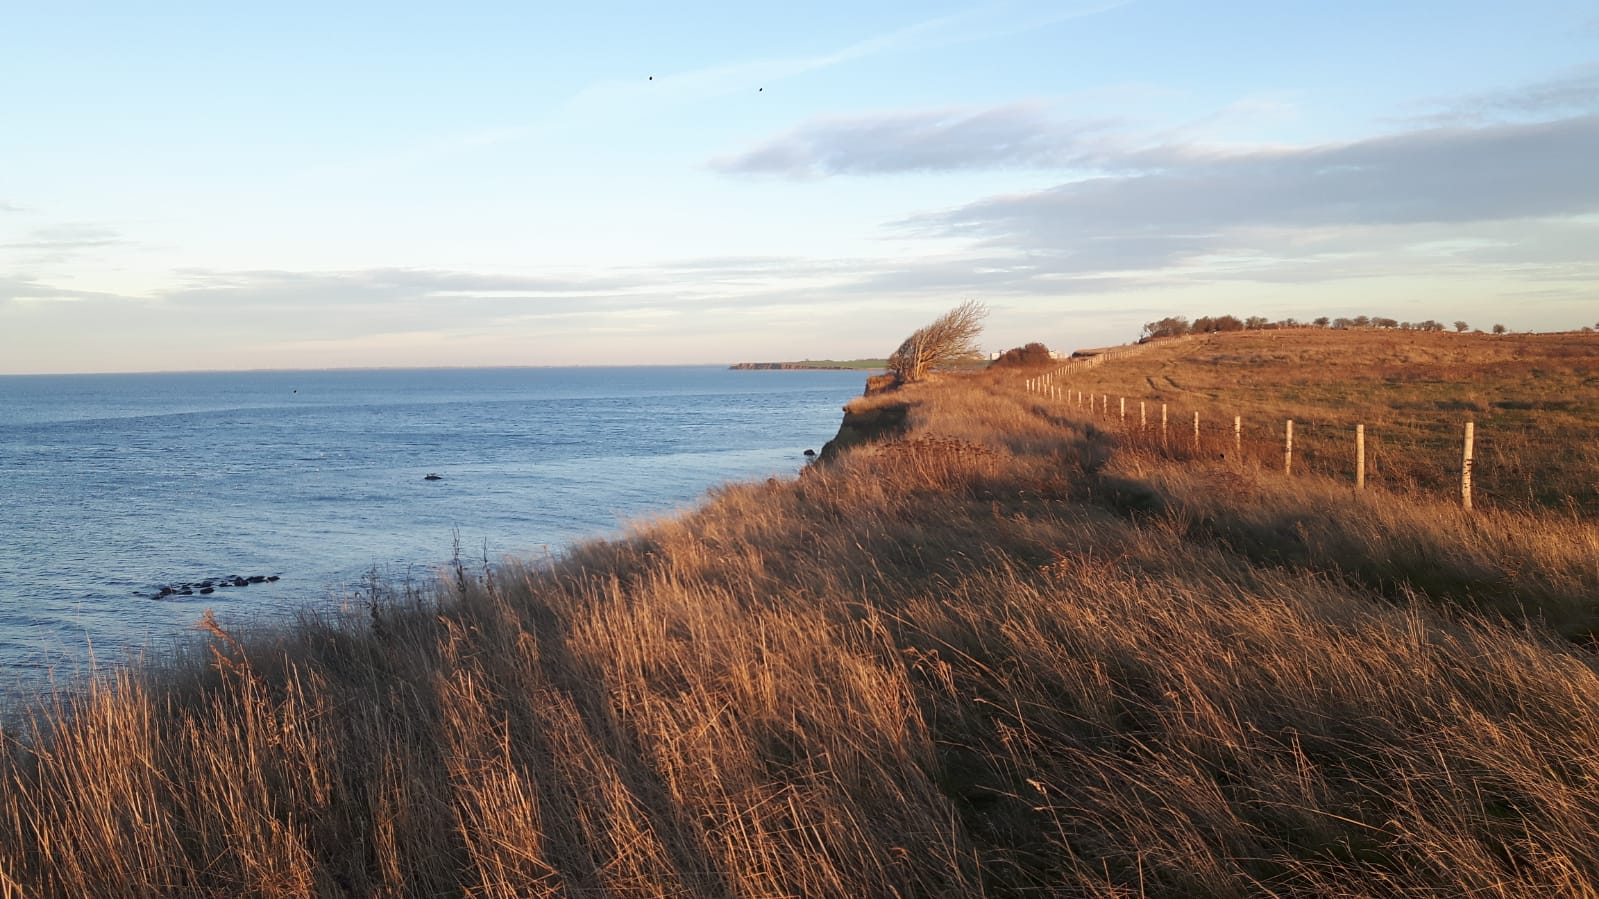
x=1511, y=465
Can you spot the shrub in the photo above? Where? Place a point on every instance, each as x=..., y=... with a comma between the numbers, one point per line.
x=1033, y=355
x=1171, y=326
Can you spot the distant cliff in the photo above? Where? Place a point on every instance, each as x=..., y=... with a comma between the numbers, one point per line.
x=822, y=364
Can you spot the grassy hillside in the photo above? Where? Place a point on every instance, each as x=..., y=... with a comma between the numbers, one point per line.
x=1534, y=399
x=1007, y=652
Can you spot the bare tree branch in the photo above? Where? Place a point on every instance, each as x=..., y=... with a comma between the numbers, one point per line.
x=950, y=338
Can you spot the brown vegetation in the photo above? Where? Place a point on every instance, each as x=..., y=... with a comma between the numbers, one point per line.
x=1032, y=355
x=1000, y=653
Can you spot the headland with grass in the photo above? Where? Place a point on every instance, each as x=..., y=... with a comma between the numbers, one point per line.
x=814, y=365
x=996, y=644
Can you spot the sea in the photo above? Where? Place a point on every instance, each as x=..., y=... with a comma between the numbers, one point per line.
x=130, y=504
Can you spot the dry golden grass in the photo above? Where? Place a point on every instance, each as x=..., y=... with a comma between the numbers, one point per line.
x=999, y=655
x=1534, y=398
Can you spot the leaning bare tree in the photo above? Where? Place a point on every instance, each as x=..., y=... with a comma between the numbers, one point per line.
x=950, y=338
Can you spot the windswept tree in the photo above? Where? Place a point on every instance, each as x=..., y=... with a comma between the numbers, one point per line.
x=1171, y=326
x=952, y=337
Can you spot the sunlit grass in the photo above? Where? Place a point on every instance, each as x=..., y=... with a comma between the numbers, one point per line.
x=1002, y=653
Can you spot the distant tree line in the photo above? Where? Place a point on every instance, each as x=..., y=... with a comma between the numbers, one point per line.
x=1179, y=326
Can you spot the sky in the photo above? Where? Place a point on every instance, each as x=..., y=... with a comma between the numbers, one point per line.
x=309, y=185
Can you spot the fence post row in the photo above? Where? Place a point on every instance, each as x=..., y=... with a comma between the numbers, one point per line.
x=1038, y=385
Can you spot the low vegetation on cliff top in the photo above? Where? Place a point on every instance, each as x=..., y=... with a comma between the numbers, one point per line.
x=1006, y=652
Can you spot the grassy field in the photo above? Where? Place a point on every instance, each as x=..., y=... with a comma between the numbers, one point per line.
x=1534, y=400
x=1002, y=651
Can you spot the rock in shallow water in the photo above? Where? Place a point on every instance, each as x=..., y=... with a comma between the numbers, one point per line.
x=210, y=585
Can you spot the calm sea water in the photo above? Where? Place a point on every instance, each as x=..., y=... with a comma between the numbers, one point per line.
x=112, y=486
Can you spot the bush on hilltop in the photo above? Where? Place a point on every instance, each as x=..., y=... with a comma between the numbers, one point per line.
x=1033, y=355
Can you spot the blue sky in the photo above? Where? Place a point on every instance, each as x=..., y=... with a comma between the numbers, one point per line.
x=300, y=186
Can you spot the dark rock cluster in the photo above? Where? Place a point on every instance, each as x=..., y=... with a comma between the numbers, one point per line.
x=210, y=585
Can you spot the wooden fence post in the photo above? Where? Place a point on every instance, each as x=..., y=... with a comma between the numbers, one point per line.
x=1196, y=432
x=1288, y=448
x=1360, y=457
x=1238, y=436
x=1163, y=424
x=1143, y=420
x=1465, y=466
x=1124, y=411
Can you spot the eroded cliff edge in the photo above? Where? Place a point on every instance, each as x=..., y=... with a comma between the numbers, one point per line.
x=878, y=414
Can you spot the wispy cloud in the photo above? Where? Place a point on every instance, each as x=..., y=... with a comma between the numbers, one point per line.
x=1010, y=136
x=65, y=237
x=646, y=90
x=979, y=23
x=55, y=244
x=746, y=75
x=15, y=289
x=940, y=140
x=1439, y=175
x=366, y=287
x=1572, y=92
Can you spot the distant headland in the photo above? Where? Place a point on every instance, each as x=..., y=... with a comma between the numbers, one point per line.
x=817, y=364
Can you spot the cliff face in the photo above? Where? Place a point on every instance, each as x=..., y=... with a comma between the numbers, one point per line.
x=875, y=416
